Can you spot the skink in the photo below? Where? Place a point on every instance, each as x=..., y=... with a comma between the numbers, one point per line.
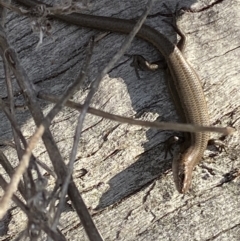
x=184, y=85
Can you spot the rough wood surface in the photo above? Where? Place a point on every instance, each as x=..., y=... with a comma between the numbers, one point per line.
x=129, y=185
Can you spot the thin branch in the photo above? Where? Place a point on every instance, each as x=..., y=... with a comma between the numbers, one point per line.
x=128, y=40
x=20, y=135
x=61, y=203
x=10, y=6
x=10, y=170
x=54, y=235
x=127, y=120
x=44, y=132
x=12, y=115
x=11, y=102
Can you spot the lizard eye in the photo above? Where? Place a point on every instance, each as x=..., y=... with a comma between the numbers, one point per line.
x=181, y=177
x=181, y=174
x=184, y=179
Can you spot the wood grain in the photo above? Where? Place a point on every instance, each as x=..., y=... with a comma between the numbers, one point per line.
x=129, y=185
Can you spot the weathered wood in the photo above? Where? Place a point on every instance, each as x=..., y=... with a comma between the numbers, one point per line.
x=128, y=179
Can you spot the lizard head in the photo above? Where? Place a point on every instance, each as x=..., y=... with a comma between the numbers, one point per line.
x=182, y=172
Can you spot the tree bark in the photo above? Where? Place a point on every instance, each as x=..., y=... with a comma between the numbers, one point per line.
x=128, y=184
